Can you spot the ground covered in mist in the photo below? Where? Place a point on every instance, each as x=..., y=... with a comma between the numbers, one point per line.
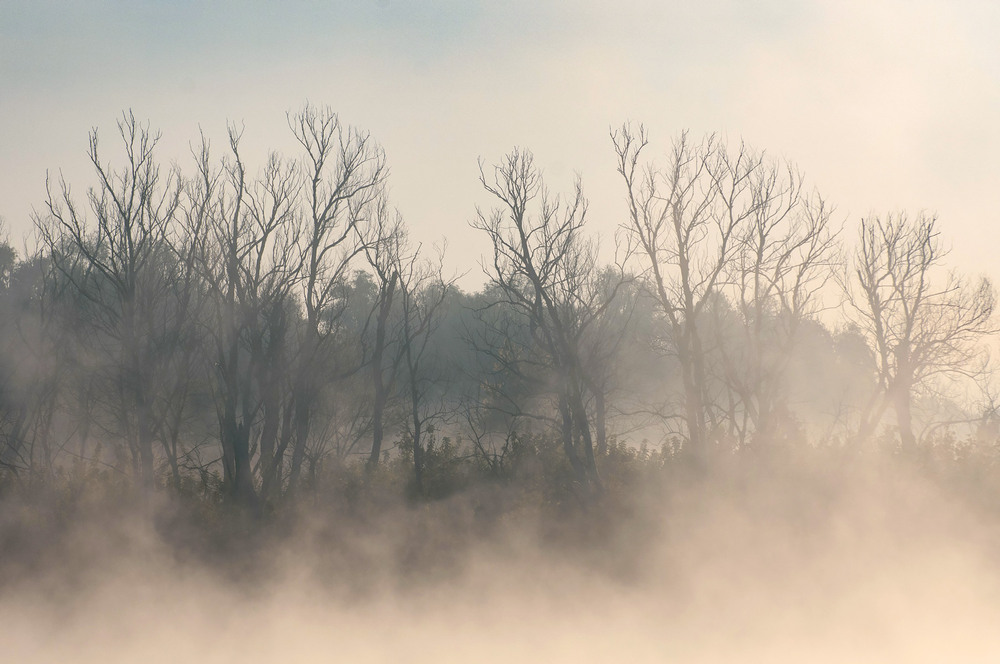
x=818, y=556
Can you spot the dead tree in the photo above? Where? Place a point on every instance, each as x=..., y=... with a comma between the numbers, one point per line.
x=603, y=343
x=383, y=249
x=117, y=260
x=921, y=324
x=545, y=270
x=785, y=253
x=245, y=232
x=684, y=220
x=423, y=290
x=343, y=177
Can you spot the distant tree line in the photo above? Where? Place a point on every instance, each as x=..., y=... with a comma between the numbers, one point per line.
x=247, y=327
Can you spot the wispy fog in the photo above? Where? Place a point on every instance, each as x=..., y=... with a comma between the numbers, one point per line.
x=456, y=331
x=832, y=561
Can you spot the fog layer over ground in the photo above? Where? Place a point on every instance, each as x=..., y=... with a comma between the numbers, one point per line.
x=699, y=404
x=247, y=417
x=835, y=558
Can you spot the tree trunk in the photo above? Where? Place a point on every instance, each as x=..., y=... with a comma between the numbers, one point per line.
x=693, y=411
x=378, y=377
x=144, y=443
x=567, y=436
x=269, y=441
x=600, y=424
x=303, y=406
x=904, y=417
x=583, y=426
x=378, y=426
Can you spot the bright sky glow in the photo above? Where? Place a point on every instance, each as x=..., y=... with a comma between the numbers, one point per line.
x=884, y=104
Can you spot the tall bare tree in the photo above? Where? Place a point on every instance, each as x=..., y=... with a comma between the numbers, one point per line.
x=423, y=292
x=116, y=259
x=921, y=323
x=344, y=173
x=545, y=270
x=602, y=345
x=734, y=253
x=383, y=249
x=685, y=218
x=245, y=232
x=785, y=253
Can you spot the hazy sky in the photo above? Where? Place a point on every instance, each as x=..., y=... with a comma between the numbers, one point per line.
x=884, y=104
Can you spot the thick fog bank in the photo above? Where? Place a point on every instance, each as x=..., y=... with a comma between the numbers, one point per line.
x=771, y=564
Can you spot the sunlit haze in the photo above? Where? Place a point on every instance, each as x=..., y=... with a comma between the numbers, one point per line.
x=883, y=105
x=512, y=331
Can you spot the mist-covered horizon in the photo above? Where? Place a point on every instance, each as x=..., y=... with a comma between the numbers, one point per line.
x=451, y=331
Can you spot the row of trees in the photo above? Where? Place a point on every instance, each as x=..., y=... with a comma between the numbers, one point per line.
x=257, y=324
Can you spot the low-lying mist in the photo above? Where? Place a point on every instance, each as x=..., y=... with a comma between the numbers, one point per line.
x=830, y=557
x=247, y=415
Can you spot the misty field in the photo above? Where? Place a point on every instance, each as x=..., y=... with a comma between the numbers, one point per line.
x=831, y=557
x=246, y=416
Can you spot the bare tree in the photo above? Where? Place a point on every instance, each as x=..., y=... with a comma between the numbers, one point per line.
x=245, y=234
x=344, y=174
x=383, y=250
x=685, y=218
x=921, y=325
x=423, y=291
x=603, y=343
x=117, y=261
x=545, y=271
x=784, y=255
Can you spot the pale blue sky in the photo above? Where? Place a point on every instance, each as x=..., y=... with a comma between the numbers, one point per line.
x=884, y=104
